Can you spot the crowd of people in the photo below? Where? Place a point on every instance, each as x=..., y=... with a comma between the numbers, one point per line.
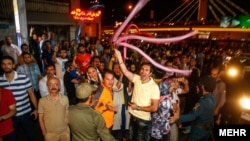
x=87, y=90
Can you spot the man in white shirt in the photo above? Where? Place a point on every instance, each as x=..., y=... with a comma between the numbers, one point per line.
x=50, y=72
x=145, y=98
x=10, y=49
x=60, y=61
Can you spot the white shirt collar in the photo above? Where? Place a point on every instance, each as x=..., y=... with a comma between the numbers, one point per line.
x=15, y=76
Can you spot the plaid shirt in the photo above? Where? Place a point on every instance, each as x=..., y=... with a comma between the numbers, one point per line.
x=32, y=71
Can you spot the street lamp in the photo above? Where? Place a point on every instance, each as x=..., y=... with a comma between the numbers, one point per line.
x=130, y=7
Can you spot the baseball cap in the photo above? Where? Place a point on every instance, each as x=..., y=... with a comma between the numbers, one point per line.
x=208, y=82
x=84, y=90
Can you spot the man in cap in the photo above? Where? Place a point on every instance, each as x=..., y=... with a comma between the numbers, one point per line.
x=92, y=126
x=203, y=112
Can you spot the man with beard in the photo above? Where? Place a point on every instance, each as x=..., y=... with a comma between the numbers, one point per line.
x=82, y=59
x=25, y=49
x=145, y=98
x=32, y=70
x=22, y=90
x=202, y=114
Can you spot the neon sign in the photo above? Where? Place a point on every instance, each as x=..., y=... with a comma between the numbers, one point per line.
x=80, y=15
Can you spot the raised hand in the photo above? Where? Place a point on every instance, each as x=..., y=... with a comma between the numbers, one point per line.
x=56, y=48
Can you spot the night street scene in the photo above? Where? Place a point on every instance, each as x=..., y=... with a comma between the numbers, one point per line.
x=124, y=70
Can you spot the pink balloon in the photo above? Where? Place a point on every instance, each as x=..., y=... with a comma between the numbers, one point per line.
x=130, y=26
x=120, y=41
x=126, y=33
x=137, y=8
x=156, y=40
x=184, y=72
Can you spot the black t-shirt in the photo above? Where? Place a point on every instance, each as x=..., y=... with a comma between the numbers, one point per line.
x=69, y=86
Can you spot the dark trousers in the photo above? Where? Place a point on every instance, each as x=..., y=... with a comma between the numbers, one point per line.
x=140, y=129
x=9, y=137
x=164, y=138
x=200, y=134
x=26, y=124
x=123, y=126
x=123, y=130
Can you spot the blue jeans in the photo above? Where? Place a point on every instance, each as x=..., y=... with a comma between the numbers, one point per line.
x=26, y=124
x=140, y=129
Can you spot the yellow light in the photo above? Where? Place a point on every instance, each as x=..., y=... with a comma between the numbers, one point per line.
x=245, y=103
x=200, y=29
x=163, y=29
x=130, y=7
x=232, y=72
x=222, y=29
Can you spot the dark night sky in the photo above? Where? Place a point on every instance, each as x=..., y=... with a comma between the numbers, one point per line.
x=161, y=9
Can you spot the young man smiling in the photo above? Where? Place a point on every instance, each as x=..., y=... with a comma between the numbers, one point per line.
x=145, y=98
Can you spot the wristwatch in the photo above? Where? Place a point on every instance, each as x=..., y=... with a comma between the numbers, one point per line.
x=138, y=108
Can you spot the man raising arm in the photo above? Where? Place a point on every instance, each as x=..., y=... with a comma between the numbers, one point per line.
x=145, y=98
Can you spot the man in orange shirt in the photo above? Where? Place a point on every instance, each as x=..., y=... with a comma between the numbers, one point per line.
x=104, y=100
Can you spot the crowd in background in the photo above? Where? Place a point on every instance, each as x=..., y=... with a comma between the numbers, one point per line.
x=93, y=61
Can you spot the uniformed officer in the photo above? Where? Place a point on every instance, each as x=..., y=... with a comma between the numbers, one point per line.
x=203, y=112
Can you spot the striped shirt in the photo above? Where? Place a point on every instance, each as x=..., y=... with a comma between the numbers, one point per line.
x=19, y=87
